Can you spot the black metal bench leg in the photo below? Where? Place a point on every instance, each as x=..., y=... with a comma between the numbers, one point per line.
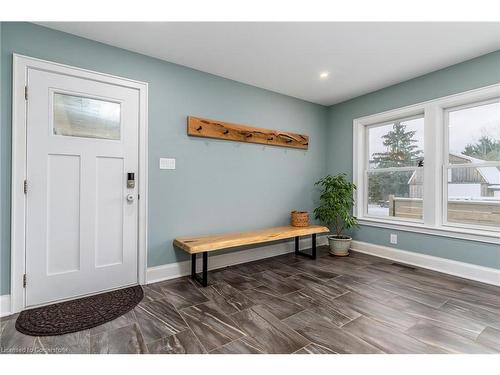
x=193, y=266
x=205, y=269
x=203, y=280
x=313, y=248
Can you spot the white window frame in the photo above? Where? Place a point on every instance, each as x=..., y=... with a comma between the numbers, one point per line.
x=367, y=170
x=447, y=167
x=435, y=166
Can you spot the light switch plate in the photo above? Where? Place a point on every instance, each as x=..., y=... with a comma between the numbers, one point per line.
x=167, y=163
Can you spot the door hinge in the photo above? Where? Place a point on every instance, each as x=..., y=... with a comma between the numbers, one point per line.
x=24, y=281
x=25, y=92
x=138, y=196
x=25, y=187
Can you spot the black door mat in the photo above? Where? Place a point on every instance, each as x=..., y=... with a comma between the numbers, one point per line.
x=79, y=314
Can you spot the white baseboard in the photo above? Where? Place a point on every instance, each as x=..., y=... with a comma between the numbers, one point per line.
x=173, y=270
x=451, y=267
x=5, y=305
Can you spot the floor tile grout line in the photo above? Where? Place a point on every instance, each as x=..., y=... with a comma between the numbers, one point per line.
x=288, y=326
x=210, y=300
x=194, y=305
x=345, y=331
x=197, y=338
x=309, y=343
x=437, y=322
x=458, y=315
x=206, y=349
x=353, y=319
x=234, y=340
x=298, y=312
x=271, y=295
x=43, y=346
x=295, y=291
x=405, y=295
x=189, y=327
x=482, y=306
x=214, y=302
x=140, y=330
x=330, y=307
x=429, y=321
x=448, y=351
x=484, y=329
x=314, y=277
x=421, y=290
x=159, y=318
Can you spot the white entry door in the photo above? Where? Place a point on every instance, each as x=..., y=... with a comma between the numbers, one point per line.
x=81, y=213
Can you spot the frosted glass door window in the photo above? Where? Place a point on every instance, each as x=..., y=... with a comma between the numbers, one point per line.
x=78, y=116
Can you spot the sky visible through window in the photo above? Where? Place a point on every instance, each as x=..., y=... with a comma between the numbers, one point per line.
x=467, y=126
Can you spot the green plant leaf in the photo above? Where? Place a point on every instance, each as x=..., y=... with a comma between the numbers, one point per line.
x=336, y=202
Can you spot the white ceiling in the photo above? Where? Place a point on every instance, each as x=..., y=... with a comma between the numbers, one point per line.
x=288, y=57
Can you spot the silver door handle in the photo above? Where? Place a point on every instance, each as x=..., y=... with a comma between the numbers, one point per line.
x=130, y=198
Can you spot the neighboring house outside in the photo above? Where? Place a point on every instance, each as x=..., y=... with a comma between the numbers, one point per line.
x=463, y=183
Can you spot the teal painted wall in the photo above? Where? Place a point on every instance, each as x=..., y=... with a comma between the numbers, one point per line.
x=218, y=186
x=478, y=72
x=222, y=186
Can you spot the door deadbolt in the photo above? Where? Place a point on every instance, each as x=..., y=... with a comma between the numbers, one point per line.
x=130, y=180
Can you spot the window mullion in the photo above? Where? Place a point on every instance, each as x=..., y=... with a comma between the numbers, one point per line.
x=392, y=169
x=486, y=164
x=433, y=141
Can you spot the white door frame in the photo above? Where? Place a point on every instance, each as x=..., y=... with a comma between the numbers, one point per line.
x=20, y=67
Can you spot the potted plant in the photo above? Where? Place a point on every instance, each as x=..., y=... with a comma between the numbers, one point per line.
x=334, y=210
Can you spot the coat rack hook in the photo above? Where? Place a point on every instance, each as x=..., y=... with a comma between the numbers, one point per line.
x=200, y=127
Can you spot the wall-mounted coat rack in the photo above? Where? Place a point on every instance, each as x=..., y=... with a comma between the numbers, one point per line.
x=200, y=127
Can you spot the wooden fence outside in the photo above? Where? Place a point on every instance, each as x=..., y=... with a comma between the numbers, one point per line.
x=476, y=212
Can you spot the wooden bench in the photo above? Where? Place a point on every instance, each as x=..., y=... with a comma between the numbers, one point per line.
x=205, y=244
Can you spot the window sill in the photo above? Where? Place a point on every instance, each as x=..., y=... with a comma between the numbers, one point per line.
x=450, y=232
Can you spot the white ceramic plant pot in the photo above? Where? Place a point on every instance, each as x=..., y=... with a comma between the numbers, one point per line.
x=339, y=246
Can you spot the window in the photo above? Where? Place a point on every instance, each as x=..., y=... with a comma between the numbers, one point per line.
x=78, y=116
x=473, y=165
x=394, y=174
x=432, y=167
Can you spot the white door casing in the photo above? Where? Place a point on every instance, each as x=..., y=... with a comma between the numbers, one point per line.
x=82, y=235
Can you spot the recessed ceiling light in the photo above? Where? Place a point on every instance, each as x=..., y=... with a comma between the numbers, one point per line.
x=324, y=75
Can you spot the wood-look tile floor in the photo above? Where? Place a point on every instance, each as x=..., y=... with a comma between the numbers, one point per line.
x=289, y=304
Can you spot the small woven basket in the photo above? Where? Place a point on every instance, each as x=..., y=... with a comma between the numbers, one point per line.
x=300, y=219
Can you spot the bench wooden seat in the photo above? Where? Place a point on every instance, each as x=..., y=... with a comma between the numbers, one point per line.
x=205, y=244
